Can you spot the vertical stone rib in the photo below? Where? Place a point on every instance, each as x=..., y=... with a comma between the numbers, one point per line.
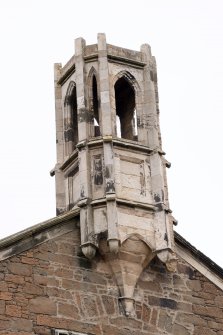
x=106, y=119
x=104, y=86
x=149, y=106
x=86, y=219
x=80, y=85
x=60, y=191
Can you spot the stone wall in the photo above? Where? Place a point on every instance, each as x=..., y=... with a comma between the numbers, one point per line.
x=53, y=286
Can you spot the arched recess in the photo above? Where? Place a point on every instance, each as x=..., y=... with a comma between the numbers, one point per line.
x=141, y=238
x=70, y=119
x=126, y=95
x=93, y=103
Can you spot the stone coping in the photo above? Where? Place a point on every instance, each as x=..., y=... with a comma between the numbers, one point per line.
x=39, y=227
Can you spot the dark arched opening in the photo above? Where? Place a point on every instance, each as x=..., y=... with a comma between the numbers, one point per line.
x=95, y=107
x=73, y=106
x=71, y=120
x=125, y=110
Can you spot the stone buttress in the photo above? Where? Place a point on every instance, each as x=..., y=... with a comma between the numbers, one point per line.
x=110, y=162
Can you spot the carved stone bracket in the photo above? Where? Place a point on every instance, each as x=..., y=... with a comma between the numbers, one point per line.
x=133, y=256
x=88, y=249
x=169, y=258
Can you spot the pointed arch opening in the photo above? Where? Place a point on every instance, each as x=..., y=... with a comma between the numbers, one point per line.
x=93, y=103
x=71, y=119
x=126, y=125
x=95, y=106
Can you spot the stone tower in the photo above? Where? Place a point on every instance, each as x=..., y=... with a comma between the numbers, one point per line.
x=110, y=164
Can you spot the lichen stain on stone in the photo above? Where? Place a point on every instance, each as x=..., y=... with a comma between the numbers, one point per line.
x=159, y=207
x=84, y=263
x=40, y=238
x=107, y=172
x=156, y=197
x=162, y=192
x=164, y=302
x=82, y=192
x=26, y=244
x=18, y=248
x=166, y=237
x=85, y=116
x=98, y=173
x=103, y=235
x=139, y=123
x=110, y=186
x=69, y=135
x=59, y=211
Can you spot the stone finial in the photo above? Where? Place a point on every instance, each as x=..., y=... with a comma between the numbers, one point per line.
x=101, y=41
x=79, y=45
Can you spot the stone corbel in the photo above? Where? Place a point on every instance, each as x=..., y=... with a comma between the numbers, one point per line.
x=89, y=250
x=114, y=244
x=168, y=257
x=127, y=265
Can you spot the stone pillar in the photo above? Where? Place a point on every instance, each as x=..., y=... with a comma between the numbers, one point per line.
x=150, y=123
x=86, y=219
x=107, y=131
x=83, y=114
x=149, y=118
x=60, y=191
x=104, y=86
x=151, y=132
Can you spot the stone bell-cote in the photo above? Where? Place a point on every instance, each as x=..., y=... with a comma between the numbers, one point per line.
x=110, y=163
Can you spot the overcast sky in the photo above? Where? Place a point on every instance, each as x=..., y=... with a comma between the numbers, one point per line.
x=187, y=40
